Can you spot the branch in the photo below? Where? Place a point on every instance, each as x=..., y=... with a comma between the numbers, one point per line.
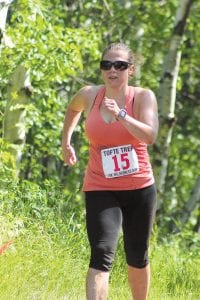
x=107, y=7
x=192, y=202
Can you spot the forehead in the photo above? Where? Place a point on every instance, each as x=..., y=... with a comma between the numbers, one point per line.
x=116, y=54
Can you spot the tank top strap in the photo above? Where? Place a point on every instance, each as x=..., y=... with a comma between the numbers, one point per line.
x=130, y=97
x=130, y=100
x=99, y=96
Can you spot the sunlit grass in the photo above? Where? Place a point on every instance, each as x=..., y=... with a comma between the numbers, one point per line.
x=175, y=273
x=39, y=265
x=49, y=253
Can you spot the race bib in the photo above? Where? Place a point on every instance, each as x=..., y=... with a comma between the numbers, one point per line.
x=119, y=161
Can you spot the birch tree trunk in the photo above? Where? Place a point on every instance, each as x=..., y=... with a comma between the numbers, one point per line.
x=4, y=5
x=19, y=91
x=167, y=91
x=192, y=202
x=140, y=34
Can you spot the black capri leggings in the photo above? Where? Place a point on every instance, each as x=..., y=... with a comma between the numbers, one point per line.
x=106, y=211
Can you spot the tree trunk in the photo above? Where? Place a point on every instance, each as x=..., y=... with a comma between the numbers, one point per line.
x=140, y=34
x=186, y=211
x=4, y=5
x=19, y=91
x=167, y=91
x=192, y=202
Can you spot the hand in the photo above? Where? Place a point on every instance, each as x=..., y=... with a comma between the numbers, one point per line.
x=69, y=155
x=111, y=105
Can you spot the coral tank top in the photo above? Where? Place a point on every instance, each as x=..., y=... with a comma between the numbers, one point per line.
x=117, y=160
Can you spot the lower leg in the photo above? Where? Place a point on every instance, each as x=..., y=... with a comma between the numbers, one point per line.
x=97, y=284
x=139, y=280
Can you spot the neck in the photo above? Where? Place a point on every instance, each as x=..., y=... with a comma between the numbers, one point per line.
x=117, y=93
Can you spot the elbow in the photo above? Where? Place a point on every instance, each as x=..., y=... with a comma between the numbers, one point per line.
x=152, y=135
x=151, y=139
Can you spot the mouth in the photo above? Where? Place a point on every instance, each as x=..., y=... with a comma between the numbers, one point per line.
x=113, y=77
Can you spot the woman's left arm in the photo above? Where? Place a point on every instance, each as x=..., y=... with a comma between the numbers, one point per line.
x=144, y=124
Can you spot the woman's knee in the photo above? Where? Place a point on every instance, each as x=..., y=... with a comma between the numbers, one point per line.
x=102, y=257
x=137, y=256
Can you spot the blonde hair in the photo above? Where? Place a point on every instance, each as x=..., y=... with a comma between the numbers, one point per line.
x=120, y=46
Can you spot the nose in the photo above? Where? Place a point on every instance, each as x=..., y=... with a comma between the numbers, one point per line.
x=112, y=68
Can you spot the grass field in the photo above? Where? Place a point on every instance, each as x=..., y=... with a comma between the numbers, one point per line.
x=48, y=254
x=40, y=264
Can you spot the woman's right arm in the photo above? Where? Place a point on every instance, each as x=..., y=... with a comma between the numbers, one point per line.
x=78, y=104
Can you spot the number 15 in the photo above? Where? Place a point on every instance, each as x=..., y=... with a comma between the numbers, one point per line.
x=123, y=160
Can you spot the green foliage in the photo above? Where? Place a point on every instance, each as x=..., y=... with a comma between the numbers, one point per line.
x=8, y=169
x=53, y=54
x=61, y=43
x=49, y=204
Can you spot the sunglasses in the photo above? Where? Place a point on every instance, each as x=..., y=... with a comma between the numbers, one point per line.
x=118, y=65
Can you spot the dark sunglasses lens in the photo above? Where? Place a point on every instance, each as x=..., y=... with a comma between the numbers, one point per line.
x=105, y=65
x=121, y=65
x=118, y=65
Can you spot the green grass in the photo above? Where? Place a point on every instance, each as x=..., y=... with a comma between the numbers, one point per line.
x=49, y=255
x=41, y=265
x=175, y=274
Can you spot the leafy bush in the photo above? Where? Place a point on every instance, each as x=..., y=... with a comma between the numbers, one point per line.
x=8, y=170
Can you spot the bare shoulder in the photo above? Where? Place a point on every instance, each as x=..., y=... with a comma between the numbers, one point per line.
x=145, y=103
x=89, y=91
x=84, y=98
x=142, y=94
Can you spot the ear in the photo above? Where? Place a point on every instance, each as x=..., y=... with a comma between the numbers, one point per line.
x=131, y=70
